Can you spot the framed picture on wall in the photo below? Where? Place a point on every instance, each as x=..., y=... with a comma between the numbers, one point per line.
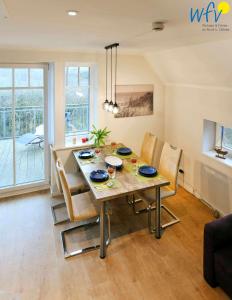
x=134, y=100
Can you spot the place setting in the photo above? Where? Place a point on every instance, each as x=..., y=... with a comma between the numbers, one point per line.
x=138, y=168
x=88, y=156
x=104, y=179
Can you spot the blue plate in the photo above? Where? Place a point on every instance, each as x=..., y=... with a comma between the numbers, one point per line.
x=99, y=176
x=85, y=154
x=147, y=171
x=124, y=151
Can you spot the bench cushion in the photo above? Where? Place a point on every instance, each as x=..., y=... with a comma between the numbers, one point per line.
x=223, y=268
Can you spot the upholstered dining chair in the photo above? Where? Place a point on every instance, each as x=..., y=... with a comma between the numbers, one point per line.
x=147, y=156
x=168, y=167
x=148, y=148
x=76, y=183
x=80, y=208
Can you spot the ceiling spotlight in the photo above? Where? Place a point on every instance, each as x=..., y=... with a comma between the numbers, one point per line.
x=72, y=13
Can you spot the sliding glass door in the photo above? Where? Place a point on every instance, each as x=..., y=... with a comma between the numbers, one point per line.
x=23, y=111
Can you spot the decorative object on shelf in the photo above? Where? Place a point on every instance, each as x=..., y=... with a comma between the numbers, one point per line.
x=110, y=105
x=99, y=136
x=84, y=140
x=220, y=152
x=134, y=100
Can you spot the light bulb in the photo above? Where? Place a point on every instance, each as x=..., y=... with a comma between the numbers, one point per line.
x=106, y=105
x=115, y=109
x=111, y=106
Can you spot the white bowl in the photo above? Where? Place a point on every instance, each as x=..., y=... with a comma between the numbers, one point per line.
x=113, y=161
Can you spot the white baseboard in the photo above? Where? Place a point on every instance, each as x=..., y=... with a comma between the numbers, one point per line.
x=195, y=193
x=186, y=186
x=22, y=191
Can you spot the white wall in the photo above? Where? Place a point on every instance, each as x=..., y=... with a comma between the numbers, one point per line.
x=185, y=110
x=132, y=69
x=197, y=87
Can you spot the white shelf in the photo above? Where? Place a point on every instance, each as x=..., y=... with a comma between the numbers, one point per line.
x=212, y=154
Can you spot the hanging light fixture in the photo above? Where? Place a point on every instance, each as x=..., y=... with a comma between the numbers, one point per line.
x=115, y=107
x=110, y=105
x=106, y=102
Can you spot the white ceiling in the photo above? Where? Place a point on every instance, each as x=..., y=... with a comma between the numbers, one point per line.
x=44, y=24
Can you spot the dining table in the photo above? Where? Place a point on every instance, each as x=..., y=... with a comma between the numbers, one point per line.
x=127, y=182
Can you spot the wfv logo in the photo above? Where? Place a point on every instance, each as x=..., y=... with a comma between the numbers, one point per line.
x=210, y=11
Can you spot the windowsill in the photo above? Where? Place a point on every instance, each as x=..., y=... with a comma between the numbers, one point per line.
x=78, y=145
x=212, y=154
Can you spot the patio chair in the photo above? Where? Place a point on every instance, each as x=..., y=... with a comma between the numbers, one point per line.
x=33, y=138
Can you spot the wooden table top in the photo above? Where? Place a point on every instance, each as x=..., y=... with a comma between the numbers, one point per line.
x=126, y=182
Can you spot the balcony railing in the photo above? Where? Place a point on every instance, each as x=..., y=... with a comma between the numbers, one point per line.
x=77, y=118
x=30, y=117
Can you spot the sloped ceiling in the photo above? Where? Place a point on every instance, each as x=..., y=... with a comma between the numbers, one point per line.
x=206, y=64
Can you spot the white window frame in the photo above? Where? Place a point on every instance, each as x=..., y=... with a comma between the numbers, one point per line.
x=93, y=91
x=218, y=138
x=9, y=190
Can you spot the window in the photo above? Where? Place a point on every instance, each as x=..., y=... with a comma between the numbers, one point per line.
x=77, y=102
x=23, y=123
x=224, y=137
x=227, y=139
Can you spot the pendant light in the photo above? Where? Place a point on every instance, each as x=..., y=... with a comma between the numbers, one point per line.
x=106, y=102
x=111, y=104
x=115, y=107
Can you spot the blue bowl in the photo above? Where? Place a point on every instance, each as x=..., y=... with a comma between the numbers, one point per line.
x=113, y=161
x=124, y=151
x=85, y=154
x=99, y=176
x=118, y=168
x=147, y=171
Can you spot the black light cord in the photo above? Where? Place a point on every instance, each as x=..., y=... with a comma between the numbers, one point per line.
x=111, y=74
x=106, y=72
x=116, y=62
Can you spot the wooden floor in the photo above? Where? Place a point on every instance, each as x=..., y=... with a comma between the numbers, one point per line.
x=137, y=265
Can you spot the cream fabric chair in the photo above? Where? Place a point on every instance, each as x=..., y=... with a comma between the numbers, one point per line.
x=148, y=148
x=169, y=167
x=80, y=207
x=147, y=155
x=75, y=181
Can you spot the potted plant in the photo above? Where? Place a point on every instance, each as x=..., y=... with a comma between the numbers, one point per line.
x=99, y=136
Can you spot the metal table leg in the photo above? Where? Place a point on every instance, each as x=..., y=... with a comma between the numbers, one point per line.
x=158, y=216
x=102, y=230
